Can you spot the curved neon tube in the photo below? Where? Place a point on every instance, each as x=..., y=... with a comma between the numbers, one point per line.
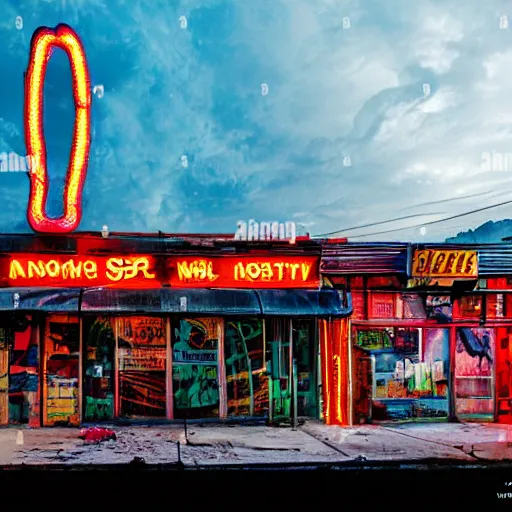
x=40, y=51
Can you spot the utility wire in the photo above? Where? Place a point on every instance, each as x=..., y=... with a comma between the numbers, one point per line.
x=425, y=223
x=378, y=223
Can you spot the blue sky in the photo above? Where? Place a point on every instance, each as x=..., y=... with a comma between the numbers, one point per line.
x=184, y=79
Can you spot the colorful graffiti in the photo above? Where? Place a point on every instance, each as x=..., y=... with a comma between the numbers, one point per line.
x=99, y=361
x=247, y=382
x=195, y=368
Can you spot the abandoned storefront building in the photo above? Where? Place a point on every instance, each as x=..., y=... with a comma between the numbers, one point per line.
x=131, y=326
x=431, y=330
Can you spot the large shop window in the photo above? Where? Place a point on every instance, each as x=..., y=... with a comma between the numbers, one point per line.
x=410, y=371
x=474, y=370
x=98, y=393
x=61, y=371
x=142, y=366
x=195, y=369
x=247, y=381
x=19, y=372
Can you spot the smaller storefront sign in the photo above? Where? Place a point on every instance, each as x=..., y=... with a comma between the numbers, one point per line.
x=445, y=263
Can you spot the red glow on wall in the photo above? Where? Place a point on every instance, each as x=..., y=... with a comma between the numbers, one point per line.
x=43, y=41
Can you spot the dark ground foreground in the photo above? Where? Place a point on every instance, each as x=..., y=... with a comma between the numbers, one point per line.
x=427, y=466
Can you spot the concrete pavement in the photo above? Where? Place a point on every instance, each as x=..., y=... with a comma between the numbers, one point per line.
x=212, y=445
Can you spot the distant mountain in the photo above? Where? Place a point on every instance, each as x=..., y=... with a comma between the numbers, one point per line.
x=488, y=233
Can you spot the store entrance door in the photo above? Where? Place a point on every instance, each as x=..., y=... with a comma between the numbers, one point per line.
x=61, y=371
x=142, y=359
x=196, y=368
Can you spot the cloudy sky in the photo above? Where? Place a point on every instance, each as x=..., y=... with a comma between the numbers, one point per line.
x=332, y=113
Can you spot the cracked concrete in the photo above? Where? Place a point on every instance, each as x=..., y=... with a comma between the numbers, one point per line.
x=240, y=445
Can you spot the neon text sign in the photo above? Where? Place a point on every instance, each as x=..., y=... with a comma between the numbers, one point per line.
x=43, y=41
x=247, y=272
x=43, y=270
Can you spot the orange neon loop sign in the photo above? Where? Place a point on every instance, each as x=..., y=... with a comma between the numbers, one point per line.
x=40, y=51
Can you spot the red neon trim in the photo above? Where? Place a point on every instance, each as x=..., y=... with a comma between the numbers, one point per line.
x=43, y=40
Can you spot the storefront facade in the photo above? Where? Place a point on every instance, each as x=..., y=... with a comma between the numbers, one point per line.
x=97, y=329
x=430, y=330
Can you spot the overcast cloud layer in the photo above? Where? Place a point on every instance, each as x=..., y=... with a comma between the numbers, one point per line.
x=220, y=110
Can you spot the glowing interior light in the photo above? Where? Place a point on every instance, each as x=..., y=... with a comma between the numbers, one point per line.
x=264, y=89
x=19, y=22
x=43, y=41
x=183, y=22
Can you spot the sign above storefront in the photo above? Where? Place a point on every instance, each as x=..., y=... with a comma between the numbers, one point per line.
x=178, y=272
x=247, y=272
x=53, y=270
x=445, y=263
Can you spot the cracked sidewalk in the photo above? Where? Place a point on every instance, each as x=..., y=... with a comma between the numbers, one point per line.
x=213, y=445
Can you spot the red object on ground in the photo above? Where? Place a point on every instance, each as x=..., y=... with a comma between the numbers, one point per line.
x=96, y=435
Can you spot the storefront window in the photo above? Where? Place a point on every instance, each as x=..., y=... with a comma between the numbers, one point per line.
x=247, y=381
x=24, y=372
x=474, y=360
x=470, y=306
x=61, y=370
x=382, y=305
x=98, y=393
x=195, y=368
x=410, y=371
x=142, y=366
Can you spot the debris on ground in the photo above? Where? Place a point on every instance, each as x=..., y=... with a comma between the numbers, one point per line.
x=96, y=435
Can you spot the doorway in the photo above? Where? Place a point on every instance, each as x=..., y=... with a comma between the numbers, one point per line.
x=61, y=371
x=195, y=368
x=141, y=362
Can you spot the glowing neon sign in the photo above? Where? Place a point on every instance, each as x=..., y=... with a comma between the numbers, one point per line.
x=43, y=40
x=138, y=271
x=247, y=272
x=52, y=270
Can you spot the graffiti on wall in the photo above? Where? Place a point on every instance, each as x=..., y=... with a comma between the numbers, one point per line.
x=195, y=372
x=247, y=383
x=98, y=392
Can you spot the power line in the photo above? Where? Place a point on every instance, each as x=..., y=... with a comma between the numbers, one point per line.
x=378, y=223
x=432, y=221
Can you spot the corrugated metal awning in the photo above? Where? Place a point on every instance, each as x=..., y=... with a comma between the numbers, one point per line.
x=40, y=299
x=169, y=300
x=227, y=302
x=305, y=303
x=365, y=258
